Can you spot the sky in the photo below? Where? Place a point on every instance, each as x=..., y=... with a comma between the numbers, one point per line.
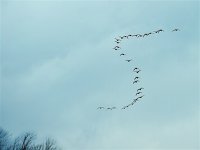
x=58, y=65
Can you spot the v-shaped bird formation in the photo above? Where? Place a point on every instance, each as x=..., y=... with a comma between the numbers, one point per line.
x=136, y=70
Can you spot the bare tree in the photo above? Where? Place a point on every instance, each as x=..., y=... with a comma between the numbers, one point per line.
x=24, y=142
x=4, y=139
x=50, y=144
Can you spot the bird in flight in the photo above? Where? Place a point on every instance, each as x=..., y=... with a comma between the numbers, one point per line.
x=139, y=35
x=139, y=89
x=135, y=35
x=111, y=108
x=124, y=107
x=121, y=37
x=128, y=60
x=150, y=33
x=141, y=96
x=159, y=31
x=132, y=103
x=136, y=78
x=135, y=68
x=138, y=93
x=146, y=34
x=126, y=36
x=134, y=100
x=117, y=39
x=175, y=30
x=137, y=71
x=122, y=54
x=117, y=42
x=100, y=108
x=117, y=47
x=135, y=81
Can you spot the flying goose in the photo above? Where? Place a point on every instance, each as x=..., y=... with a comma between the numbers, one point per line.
x=100, y=108
x=139, y=89
x=128, y=60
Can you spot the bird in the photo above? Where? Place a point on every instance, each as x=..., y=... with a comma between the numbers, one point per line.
x=175, y=30
x=145, y=34
x=117, y=39
x=136, y=78
x=135, y=68
x=138, y=93
x=139, y=89
x=117, y=42
x=132, y=103
x=135, y=35
x=139, y=35
x=122, y=54
x=124, y=107
x=129, y=105
x=134, y=100
x=126, y=36
x=160, y=30
x=117, y=47
x=111, y=108
x=121, y=37
x=141, y=96
x=128, y=60
x=129, y=35
x=135, y=81
x=100, y=108
x=137, y=71
x=150, y=33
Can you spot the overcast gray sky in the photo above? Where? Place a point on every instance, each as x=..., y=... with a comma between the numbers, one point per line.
x=58, y=66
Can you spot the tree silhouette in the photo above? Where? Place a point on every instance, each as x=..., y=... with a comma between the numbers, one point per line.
x=25, y=142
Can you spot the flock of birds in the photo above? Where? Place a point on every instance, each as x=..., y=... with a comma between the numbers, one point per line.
x=139, y=92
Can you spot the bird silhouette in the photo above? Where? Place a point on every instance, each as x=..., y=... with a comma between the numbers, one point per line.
x=141, y=96
x=132, y=103
x=175, y=30
x=150, y=33
x=135, y=81
x=135, y=68
x=124, y=107
x=135, y=35
x=138, y=93
x=126, y=36
x=139, y=35
x=136, y=78
x=160, y=30
x=137, y=71
x=111, y=108
x=121, y=37
x=139, y=89
x=128, y=60
x=117, y=39
x=100, y=108
x=117, y=47
x=122, y=54
x=146, y=34
x=117, y=42
x=134, y=100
